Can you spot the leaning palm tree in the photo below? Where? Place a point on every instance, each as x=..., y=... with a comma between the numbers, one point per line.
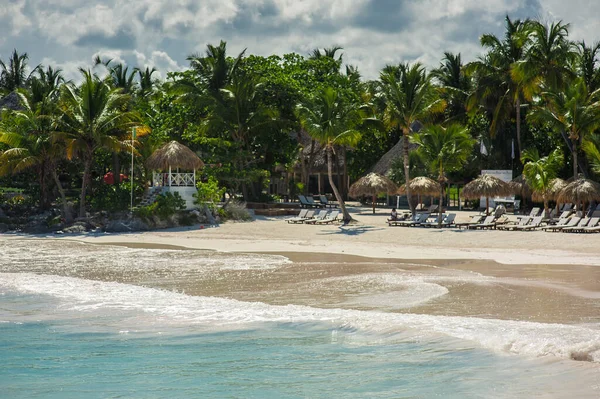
x=30, y=136
x=409, y=97
x=443, y=150
x=92, y=113
x=574, y=112
x=539, y=173
x=331, y=120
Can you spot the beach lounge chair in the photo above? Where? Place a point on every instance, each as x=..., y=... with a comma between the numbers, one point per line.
x=473, y=220
x=532, y=225
x=304, y=202
x=320, y=216
x=534, y=212
x=331, y=218
x=312, y=202
x=559, y=226
x=326, y=202
x=583, y=222
x=416, y=220
x=488, y=223
x=310, y=213
x=447, y=221
x=524, y=221
x=592, y=226
x=559, y=222
x=301, y=216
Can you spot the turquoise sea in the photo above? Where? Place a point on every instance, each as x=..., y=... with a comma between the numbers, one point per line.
x=63, y=336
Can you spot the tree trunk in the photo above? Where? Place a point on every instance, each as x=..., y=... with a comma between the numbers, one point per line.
x=116, y=167
x=374, y=198
x=406, y=163
x=574, y=159
x=518, y=107
x=43, y=191
x=441, y=202
x=546, y=208
x=487, y=206
x=66, y=214
x=84, y=184
x=346, y=216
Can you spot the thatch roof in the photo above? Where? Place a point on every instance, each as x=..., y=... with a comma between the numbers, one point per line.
x=580, y=190
x=319, y=154
x=11, y=101
x=486, y=186
x=384, y=165
x=372, y=184
x=421, y=185
x=519, y=185
x=555, y=187
x=174, y=155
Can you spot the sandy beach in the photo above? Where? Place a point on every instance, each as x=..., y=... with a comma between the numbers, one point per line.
x=372, y=237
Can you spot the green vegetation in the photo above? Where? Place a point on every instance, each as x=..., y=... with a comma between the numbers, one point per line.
x=253, y=118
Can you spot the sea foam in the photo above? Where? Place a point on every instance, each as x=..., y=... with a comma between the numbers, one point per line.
x=161, y=307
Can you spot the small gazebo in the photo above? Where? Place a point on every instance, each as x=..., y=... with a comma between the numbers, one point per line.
x=175, y=156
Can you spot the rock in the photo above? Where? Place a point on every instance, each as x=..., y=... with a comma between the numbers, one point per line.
x=75, y=229
x=123, y=226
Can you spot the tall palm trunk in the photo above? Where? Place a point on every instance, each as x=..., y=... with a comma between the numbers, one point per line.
x=346, y=216
x=518, y=109
x=406, y=162
x=574, y=159
x=63, y=197
x=439, y=218
x=84, y=184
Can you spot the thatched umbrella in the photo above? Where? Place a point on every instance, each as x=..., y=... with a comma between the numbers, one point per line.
x=519, y=185
x=580, y=191
x=372, y=184
x=421, y=185
x=486, y=186
x=554, y=188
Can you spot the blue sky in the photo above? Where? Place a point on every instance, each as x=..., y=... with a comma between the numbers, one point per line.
x=69, y=33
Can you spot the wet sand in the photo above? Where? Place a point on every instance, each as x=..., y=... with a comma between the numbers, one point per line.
x=566, y=294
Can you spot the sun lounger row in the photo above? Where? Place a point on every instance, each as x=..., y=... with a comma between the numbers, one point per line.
x=423, y=220
x=309, y=202
x=309, y=216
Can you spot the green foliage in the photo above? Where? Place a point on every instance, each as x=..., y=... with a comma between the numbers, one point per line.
x=209, y=192
x=111, y=198
x=237, y=211
x=165, y=206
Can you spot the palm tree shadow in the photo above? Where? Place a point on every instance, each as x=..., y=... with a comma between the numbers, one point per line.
x=352, y=230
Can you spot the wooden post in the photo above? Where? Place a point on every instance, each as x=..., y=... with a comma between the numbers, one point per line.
x=169, y=176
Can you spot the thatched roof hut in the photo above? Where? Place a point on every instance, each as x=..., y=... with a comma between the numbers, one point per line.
x=174, y=155
x=384, y=165
x=11, y=101
x=580, y=191
x=372, y=185
x=421, y=185
x=486, y=186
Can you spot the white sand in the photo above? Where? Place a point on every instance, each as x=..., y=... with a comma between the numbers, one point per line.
x=371, y=237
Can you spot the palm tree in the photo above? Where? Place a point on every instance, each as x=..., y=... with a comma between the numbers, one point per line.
x=119, y=75
x=215, y=69
x=591, y=147
x=586, y=65
x=454, y=85
x=241, y=115
x=29, y=134
x=443, y=150
x=495, y=87
x=409, y=97
x=145, y=80
x=573, y=111
x=332, y=121
x=548, y=58
x=92, y=115
x=14, y=75
x=539, y=172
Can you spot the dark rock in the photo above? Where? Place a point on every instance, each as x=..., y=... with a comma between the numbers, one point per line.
x=76, y=228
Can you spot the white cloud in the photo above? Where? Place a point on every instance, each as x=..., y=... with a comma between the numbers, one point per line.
x=161, y=33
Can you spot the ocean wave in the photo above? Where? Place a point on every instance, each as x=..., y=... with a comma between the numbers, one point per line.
x=575, y=342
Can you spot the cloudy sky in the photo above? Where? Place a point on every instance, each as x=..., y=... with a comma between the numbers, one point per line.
x=161, y=33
